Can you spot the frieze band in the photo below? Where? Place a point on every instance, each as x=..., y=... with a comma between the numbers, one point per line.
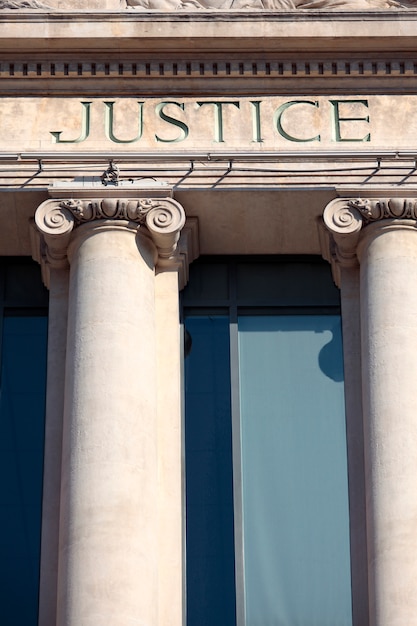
x=230, y=5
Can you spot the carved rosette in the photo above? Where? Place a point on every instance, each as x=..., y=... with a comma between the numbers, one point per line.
x=345, y=218
x=161, y=218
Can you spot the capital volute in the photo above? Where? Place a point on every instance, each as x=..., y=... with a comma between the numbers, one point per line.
x=55, y=220
x=346, y=220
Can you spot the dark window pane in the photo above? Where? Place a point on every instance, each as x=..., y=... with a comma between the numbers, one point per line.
x=22, y=409
x=208, y=437
x=285, y=283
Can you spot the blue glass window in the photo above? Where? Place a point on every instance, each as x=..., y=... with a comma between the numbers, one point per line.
x=22, y=409
x=265, y=373
x=23, y=338
x=208, y=442
x=294, y=471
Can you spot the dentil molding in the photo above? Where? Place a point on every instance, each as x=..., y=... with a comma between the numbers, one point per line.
x=345, y=218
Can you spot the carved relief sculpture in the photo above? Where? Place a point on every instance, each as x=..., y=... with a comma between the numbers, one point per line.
x=22, y=4
x=163, y=219
x=265, y=5
x=345, y=218
x=235, y=5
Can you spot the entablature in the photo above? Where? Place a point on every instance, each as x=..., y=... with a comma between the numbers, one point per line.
x=207, y=52
x=272, y=73
x=119, y=32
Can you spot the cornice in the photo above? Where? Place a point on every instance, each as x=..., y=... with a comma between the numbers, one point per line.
x=236, y=32
x=209, y=15
x=254, y=52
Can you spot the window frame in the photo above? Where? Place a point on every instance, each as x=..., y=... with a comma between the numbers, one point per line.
x=233, y=306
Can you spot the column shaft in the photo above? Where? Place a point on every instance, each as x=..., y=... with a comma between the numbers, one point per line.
x=109, y=503
x=350, y=301
x=388, y=257
x=57, y=341
x=169, y=450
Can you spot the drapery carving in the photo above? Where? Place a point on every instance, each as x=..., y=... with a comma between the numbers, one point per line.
x=231, y=5
x=22, y=4
x=266, y=5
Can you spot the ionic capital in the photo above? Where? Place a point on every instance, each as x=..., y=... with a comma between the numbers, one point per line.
x=345, y=219
x=55, y=220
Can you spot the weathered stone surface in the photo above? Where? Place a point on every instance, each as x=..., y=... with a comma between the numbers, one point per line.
x=262, y=5
x=160, y=124
x=380, y=234
x=22, y=4
x=196, y=5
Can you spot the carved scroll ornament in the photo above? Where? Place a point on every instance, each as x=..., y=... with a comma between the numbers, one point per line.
x=266, y=5
x=345, y=218
x=348, y=216
x=163, y=220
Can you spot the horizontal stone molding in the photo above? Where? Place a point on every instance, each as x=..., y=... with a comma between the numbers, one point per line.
x=18, y=70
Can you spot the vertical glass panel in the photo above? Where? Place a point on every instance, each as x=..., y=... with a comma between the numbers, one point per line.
x=208, y=441
x=22, y=408
x=295, y=493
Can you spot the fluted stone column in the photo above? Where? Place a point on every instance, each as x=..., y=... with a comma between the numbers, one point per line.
x=109, y=512
x=381, y=234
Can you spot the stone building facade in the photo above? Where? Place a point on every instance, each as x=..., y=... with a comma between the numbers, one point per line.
x=148, y=145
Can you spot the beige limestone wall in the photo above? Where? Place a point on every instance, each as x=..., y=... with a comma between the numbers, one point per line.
x=85, y=5
x=172, y=123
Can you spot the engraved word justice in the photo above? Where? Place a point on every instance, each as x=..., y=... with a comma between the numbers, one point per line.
x=223, y=121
